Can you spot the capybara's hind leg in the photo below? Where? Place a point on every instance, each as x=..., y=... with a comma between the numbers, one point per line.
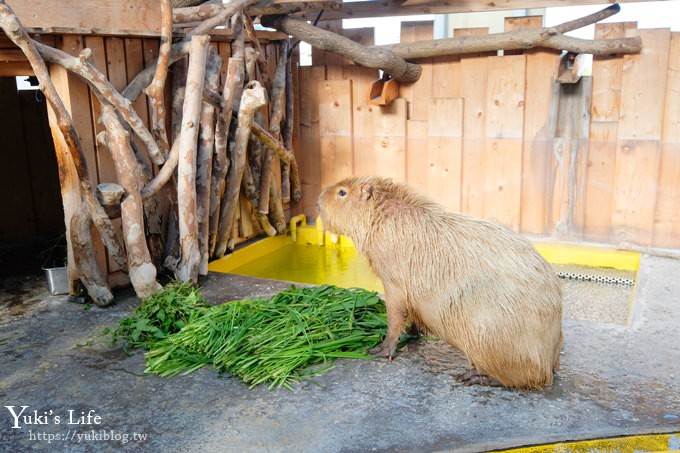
x=396, y=318
x=474, y=377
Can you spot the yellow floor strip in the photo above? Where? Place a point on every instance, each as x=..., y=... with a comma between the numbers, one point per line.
x=629, y=444
x=594, y=256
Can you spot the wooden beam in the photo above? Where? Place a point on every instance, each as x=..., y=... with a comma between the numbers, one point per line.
x=15, y=69
x=385, y=8
x=132, y=17
x=142, y=17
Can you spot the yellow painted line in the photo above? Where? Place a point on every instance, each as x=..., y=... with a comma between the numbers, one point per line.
x=589, y=256
x=628, y=444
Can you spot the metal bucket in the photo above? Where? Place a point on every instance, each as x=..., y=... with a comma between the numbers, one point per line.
x=57, y=280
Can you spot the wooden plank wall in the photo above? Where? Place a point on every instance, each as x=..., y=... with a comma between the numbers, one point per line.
x=498, y=137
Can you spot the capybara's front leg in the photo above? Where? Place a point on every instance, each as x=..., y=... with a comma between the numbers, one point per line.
x=396, y=317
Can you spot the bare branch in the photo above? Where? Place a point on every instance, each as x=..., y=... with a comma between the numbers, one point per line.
x=156, y=89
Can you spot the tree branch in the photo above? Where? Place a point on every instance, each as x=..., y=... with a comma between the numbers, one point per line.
x=521, y=39
x=375, y=57
x=156, y=89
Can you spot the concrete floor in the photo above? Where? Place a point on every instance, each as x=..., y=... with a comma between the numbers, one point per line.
x=617, y=378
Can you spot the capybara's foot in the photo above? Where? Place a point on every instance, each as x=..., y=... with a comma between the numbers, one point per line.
x=413, y=331
x=474, y=377
x=382, y=351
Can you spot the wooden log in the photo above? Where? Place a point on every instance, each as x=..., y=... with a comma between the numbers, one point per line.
x=255, y=153
x=276, y=214
x=233, y=87
x=163, y=176
x=219, y=19
x=136, y=87
x=250, y=59
x=526, y=38
x=205, y=11
x=204, y=159
x=109, y=196
x=375, y=57
x=188, y=266
x=283, y=154
x=252, y=99
x=288, y=125
x=276, y=114
x=179, y=81
x=14, y=30
x=142, y=271
x=156, y=89
x=104, y=91
x=84, y=257
x=259, y=53
x=235, y=78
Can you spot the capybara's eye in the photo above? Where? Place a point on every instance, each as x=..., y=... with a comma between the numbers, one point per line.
x=342, y=192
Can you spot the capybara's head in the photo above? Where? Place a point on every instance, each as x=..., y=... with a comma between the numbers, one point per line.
x=354, y=205
x=345, y=204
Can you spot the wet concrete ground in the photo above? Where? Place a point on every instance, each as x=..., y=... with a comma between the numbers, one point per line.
x=617, y=378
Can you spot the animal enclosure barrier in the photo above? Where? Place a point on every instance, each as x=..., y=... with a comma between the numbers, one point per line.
x=597, y=160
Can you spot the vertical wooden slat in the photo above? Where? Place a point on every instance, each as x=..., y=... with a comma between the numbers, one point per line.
x=539, y=98
x=416, y=154
x=474, y=75
x=310, y=164
x=607, y=77
x=418, y=94
x=362, y=111
x=380, y=140
x=444, y=151
x=667, y=213
x=503, y=150
x=569, y=159
x=639, y=133
x=335, y=130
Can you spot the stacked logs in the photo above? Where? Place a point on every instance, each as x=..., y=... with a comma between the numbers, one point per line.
x=220, y=144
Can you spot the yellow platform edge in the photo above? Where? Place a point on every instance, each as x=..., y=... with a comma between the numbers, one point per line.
x=555, y=253
x=628, y=444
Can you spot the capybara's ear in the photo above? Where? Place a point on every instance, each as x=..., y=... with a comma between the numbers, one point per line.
x=366, y=192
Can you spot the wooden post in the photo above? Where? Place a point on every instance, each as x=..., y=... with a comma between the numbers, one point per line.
x=117, y=140
x=252, y=99
x=188, y=266
x=204, y=159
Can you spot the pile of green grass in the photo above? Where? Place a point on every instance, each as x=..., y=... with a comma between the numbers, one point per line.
x=263, y=341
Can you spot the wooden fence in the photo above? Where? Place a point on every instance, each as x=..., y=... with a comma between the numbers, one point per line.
x=499, y=137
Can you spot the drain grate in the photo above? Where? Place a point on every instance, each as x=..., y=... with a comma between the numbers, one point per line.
x=595, y=274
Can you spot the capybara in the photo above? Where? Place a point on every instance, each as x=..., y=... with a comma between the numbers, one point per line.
x=474, y=283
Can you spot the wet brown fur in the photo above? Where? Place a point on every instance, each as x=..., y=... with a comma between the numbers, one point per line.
x=474, y=283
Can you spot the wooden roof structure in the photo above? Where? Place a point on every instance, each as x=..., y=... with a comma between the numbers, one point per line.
x=142, y=18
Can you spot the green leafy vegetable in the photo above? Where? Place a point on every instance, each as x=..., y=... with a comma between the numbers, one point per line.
x=273, y=341
x=163, y=314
